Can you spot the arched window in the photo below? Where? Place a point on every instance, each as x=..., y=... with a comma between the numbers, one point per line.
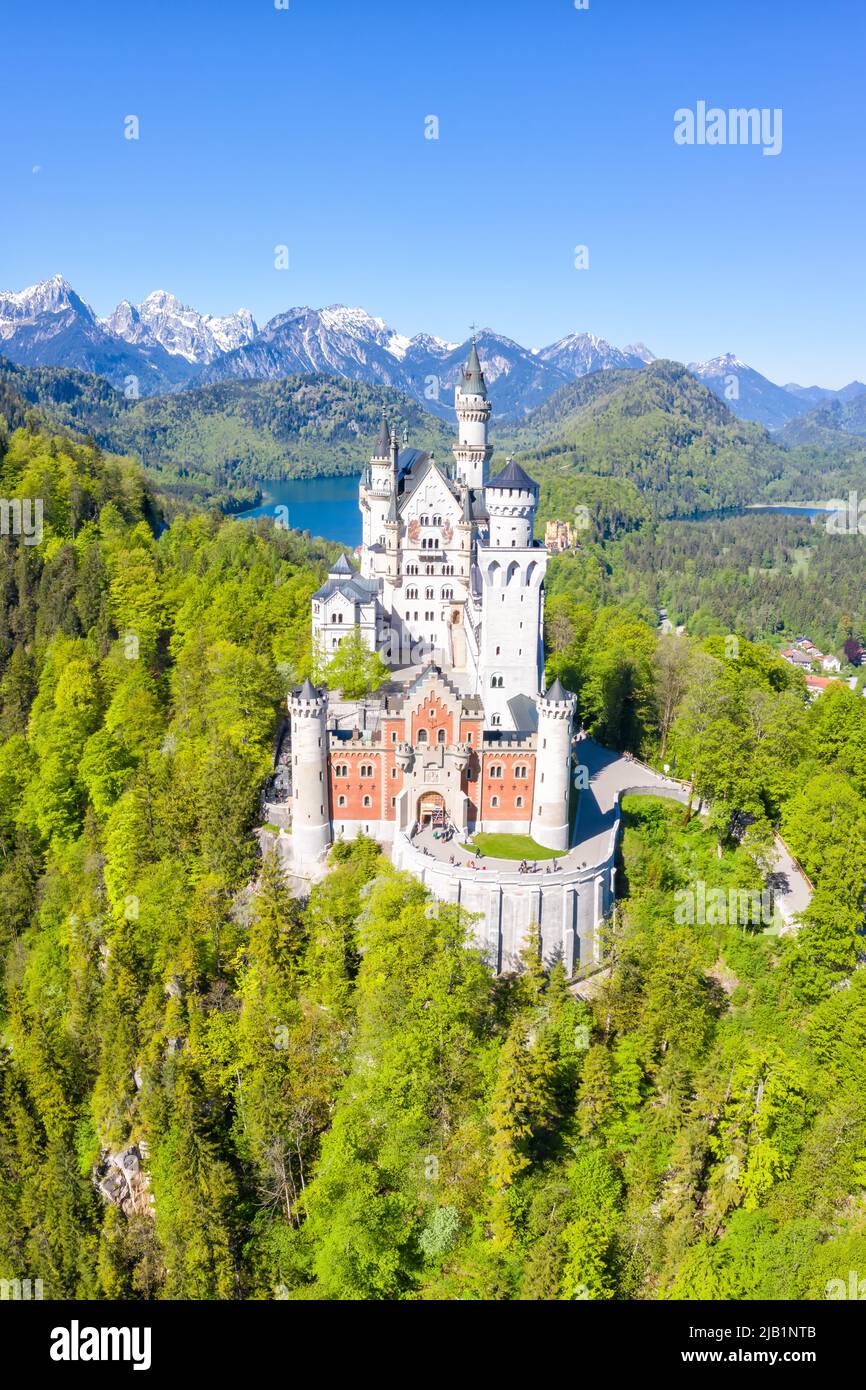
x=440, y=737
x=368, y=801
x=428, y=593
x=366, y=770
x=494, y=801
x=447, y=593
x=338, y=617
x=497, y=682
x=495, y=721
x=411, y=593
x=520, y=771
x=341, y=770
x=341, y=801
x=422, y=735
x=519, y=802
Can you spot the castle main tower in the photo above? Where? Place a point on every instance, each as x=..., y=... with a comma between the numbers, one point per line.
x=553, y=767
x=311, y=811
x=472, y=452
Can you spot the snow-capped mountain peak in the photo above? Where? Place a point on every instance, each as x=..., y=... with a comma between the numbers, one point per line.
x=579, y=353
x=714, y=366
x=161, y=318
x=54, y=296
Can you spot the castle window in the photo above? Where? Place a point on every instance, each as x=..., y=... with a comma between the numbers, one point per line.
x=411, y=593
x=520, y=771
x=366, y=769
x=447, y=593
x=494, y=801
x=440, y=737
x=341, y=801
x=393, y=735
x=437, y=521
x=519, y=802
x=368, y=801
x=341, y=770
x=393, y=772
x=495, y=721
x=422, y=735
x=338, y=617
x=428, y=593
x=497, y=682
x=496, y=771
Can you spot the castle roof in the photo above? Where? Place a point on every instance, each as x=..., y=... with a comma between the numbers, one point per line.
x=382, y=447
x=557, y=691
x=513, y=476
x=472, y=378
x=342, y=566
x=352, y=586
x=308, y=691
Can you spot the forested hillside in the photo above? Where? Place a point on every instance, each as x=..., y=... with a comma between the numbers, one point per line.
x=658, y=443
x=331, y=1097
x=764, y=574
x=215, y=442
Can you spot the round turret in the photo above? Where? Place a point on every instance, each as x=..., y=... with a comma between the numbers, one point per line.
x=311, y=817
x=550, y=812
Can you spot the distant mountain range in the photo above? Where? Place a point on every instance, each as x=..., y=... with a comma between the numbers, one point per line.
x=162, y=345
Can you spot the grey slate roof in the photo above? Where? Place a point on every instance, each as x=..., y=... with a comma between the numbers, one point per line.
x=557, y=691
x=512, y=475
x=382, y=447
x=472, y=379
x=308, y=691
x=342, y=566
x=355, y=588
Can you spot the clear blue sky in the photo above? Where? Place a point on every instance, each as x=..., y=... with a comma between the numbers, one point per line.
x=306, y=127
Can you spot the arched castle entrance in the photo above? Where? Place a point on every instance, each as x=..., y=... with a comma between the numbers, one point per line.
x=431, y=808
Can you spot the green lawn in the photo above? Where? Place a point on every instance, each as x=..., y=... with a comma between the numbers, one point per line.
x=512, y=847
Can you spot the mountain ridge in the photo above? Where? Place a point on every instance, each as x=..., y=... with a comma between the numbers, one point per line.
x=163, y=345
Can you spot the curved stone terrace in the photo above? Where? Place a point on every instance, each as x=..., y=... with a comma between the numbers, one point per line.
x=611, y=776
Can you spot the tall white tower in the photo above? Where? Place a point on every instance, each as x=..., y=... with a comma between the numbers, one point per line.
x=472, y=452
x=553, y=767
x=511, y=566
x=311, y=816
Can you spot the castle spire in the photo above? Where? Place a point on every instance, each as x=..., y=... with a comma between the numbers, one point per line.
x=382, y=447
x=472, y=382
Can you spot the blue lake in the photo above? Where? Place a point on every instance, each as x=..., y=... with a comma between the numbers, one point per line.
x=328, y=507
x=325, y=507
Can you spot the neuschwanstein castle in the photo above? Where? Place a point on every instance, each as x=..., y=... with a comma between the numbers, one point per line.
x=463, y=737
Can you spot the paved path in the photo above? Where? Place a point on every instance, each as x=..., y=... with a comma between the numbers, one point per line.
x=610, y=775
x=792, y=891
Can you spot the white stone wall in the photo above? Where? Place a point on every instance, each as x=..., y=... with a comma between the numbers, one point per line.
x=510, y=628
x=568, y=906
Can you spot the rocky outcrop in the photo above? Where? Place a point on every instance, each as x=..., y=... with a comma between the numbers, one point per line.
x=120, y=1178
